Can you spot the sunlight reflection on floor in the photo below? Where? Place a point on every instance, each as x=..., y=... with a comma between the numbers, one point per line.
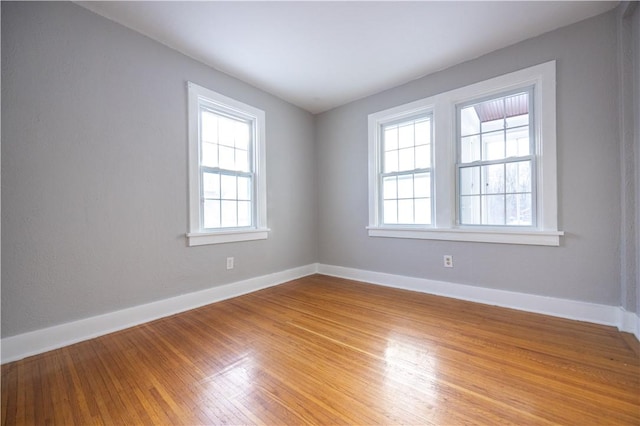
x=410, y=375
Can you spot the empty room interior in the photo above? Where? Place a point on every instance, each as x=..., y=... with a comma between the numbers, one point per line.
x=320, y=212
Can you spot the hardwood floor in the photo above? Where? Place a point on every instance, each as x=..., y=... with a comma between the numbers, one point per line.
x=323, y=350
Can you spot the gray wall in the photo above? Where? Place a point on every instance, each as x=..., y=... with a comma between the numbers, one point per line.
x=627, y=96
x=586, y=267
x=94, y=171
x=636, y=108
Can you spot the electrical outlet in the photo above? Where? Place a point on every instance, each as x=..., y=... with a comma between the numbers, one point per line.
x=448, y=261
x=229, y=262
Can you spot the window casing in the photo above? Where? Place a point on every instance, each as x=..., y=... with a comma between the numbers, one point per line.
x=226, y=169
x=520, y=168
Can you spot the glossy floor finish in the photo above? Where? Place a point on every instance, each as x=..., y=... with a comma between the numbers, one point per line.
x=323, y=350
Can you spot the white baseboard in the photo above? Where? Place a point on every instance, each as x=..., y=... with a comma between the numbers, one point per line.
x=630, y=322
x=564, y=308
x=17, y=347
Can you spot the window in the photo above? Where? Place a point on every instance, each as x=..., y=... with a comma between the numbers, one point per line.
x=406, y=171
x=496, y=162
x=226, y=169
x=478, y=163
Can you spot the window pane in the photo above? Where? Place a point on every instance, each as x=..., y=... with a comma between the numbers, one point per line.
x=390, y=213
x=493, y=209
x=469, y=121
x=405, y=211
x=244, y=213
x=227, y=160
x=209, y=126
x=423, y=157
x=229, y=216
x=389, y=188
x=406, y=159
x=228, y=187
x=226, y=131
x=470, y=149
x=211, y=185
x=211, y=214
x=405, y=135
x=242, y=134
x=493, y=179
x=423, y=132
x=422, y=185
x=244, y=188
x=519, y=209
x=518, y=142
x=518, y=176
x=422, y=211
x=489, y=126
x=493, y=145
x=209, y=154
x=391, y=138
x=390, y=161
x=405, y=186
x=470, y=210
x=470, y=180
x=242, y=160
x=518, y=120
x=516, y=109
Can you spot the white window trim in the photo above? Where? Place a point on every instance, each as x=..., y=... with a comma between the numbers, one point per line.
x=543, y=78
x=196, y=236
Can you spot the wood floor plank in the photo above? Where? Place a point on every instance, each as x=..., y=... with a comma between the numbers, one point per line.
x=324, y=350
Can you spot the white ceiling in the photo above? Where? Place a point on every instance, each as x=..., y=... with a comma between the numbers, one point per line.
x=319, y=55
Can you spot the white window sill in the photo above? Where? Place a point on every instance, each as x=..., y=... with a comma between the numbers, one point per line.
x=205, y=238
x=492, y=235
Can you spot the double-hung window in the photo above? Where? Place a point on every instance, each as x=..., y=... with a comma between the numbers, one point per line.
x=496, y=161
x=476, y=163
x=226, y=169
x=406, y=171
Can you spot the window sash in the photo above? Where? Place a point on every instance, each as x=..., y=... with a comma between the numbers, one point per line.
x=414, y=198
x=531, y=159
x=250, y=141
x=238, y=200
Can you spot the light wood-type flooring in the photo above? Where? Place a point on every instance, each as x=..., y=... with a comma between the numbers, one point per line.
x=322, y=350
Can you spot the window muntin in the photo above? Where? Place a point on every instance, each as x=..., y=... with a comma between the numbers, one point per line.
x=496, y=161
x=406, y=171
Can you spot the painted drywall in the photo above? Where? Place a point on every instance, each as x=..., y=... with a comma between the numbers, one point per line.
x=94, y=172
x=628, y=161
x=586, y=267
x=636, y=115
